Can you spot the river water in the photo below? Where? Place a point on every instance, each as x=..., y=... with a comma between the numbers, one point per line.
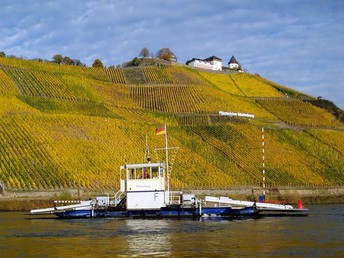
x=321, y=234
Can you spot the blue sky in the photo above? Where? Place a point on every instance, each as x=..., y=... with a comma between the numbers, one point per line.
x=297, y=43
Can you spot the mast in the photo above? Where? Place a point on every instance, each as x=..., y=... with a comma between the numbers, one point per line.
x=263, y=161
x=147, y=152
x=166, y=155
x=159, y=131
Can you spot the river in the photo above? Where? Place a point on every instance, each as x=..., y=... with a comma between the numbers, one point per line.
x=321, y=234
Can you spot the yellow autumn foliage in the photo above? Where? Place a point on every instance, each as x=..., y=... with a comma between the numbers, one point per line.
x=64, y=126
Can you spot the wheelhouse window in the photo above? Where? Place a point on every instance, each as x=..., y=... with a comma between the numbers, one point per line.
x=145, y=173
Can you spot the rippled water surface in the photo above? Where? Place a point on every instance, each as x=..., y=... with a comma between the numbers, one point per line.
x=321, y=234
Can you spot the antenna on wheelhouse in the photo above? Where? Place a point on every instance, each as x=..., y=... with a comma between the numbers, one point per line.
x=160, y=131
x=263, y=162
x=147, y=152
x=167, y=165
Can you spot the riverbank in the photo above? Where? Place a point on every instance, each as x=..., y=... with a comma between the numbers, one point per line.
x=27, y=200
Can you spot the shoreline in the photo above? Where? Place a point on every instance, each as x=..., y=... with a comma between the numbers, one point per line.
x=27, y=200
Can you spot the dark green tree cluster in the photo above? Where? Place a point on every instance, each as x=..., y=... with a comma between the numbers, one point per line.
x=134, y=62
x=97, y=63
x=66, y=60
x=145, y=54
x=164, y=53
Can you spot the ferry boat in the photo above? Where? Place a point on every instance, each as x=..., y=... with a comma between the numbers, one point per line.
x=145, y=192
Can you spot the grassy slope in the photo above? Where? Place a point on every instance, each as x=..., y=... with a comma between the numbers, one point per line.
x=65, y=126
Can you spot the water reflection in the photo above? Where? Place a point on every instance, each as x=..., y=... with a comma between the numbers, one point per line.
x=148, y=237
x=319, y=234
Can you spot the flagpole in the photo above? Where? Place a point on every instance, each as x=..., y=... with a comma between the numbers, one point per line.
x=167, y=166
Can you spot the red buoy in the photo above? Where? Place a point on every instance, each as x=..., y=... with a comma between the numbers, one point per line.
x=299, y=204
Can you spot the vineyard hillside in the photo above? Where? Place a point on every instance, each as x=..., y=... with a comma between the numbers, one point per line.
x=72, y=127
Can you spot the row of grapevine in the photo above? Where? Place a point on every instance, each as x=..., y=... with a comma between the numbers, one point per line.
x=216, y=100
x=156, y=75
x=170, y=99
x=113, y=94
x=116, y=75
x=331, y=161
x=53, y=86
x=82, y=149
x=134, y=75
x=117, y=98
x=102, y=74
x=222, y=81
x=96, y=73
x=77, y=151
x=286, y=91
x=27, y=84
x=230, y=140
x=296, y=112
x=253, y=87
x=183, y=75
x=193, y=119
x=284, y=160
x=40, y=84
x=6, y=84
x=332, y=138
x=32, y=65
x=225, y=157
x=199, y=99
x=11, y=105
x=25, y=163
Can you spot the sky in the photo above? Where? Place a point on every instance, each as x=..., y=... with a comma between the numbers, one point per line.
x=296, y=43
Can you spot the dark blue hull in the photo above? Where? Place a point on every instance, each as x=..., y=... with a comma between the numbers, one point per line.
x=161, y=213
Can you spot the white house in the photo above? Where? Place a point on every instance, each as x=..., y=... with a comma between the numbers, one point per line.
x=210, y=63
x=233, y=64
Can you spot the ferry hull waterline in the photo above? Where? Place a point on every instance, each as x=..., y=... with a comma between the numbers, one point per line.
x=162, y=213
x=145, y=193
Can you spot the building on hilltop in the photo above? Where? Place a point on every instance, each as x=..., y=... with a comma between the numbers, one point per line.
x=210, y=63
x=214, y=63
x=233, y=64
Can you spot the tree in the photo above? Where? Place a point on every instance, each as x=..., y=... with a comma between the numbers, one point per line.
x=2, y=54
x=135, y=62
x=67, y=60
x=144, y=52
x=97, y=63
x=165, y=53
x=57, y=58
x=77, y=62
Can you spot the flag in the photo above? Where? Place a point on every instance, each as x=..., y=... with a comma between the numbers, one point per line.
x=160, y=130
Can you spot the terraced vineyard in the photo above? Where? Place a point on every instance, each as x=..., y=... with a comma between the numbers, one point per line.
x=296, y=112
x=115, y=75
x=224, y=82
x=182, y=75
x=170, y=99
x=156, y=75
x=252, y=87
x=72, y=127
x=135, y=76
x=7, y=86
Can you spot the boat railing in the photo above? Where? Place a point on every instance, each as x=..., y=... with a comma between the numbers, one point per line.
x=175, y=197
x=118, y=197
